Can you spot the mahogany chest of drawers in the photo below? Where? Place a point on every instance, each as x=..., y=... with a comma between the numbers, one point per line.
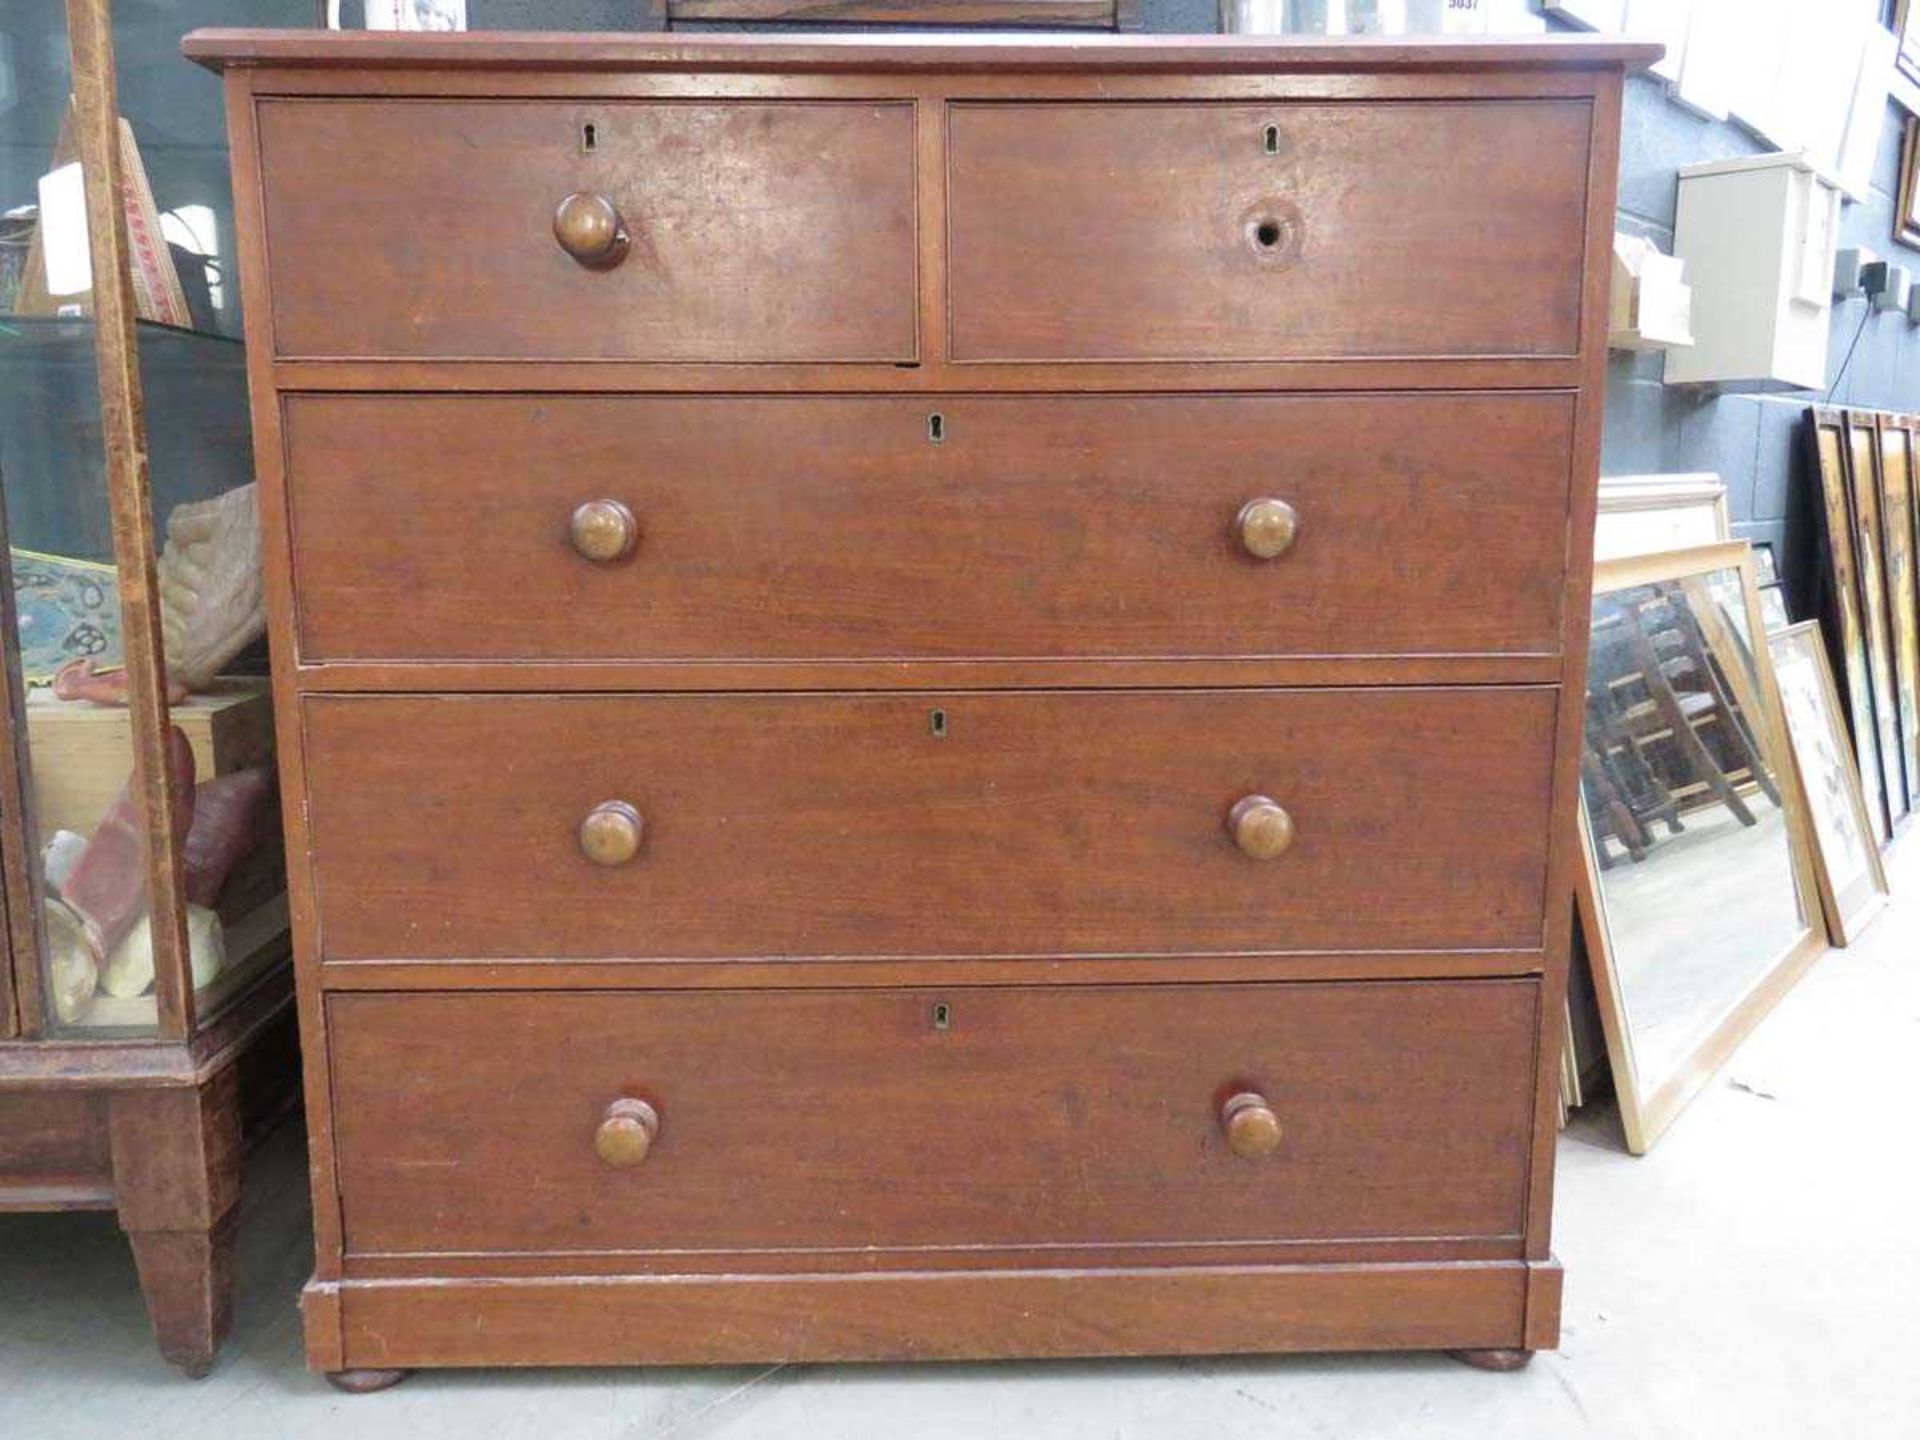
x=930, y=691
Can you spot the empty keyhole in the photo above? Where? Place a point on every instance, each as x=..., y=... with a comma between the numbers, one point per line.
x=937, y=722
x=936, y=428
x=1267, y=234
x=589, y=137
x=1270, y=140
x=942, y=1017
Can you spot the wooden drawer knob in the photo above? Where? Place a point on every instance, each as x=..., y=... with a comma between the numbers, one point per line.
x=611, y=833
x=589, y=228
x=1260, y=827
x=1251, y=1127
x=626, y=1133
x=604, y=531
x=1267, y=527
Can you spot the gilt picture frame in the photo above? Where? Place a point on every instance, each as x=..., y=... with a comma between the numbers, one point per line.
x=1862, y=455
x=1847, y=863
x=1894, y=467
x=1846, y=628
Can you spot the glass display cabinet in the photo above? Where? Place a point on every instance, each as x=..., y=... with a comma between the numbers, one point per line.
x=145, y=993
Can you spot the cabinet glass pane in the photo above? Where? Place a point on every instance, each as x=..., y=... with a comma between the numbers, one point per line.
x=86, y=828
x=97, y=973
x=204, y=513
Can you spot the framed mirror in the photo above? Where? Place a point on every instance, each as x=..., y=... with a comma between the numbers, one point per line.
x=1698, y=894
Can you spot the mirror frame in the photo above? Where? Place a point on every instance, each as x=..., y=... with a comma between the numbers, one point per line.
x=1647, y=1107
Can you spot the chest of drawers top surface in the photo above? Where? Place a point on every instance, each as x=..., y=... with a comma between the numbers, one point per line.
x=962, y=646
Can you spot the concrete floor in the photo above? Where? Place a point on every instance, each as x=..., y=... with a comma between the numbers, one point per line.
x=1757, y=1275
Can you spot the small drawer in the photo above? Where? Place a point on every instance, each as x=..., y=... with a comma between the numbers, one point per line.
x=1284, y=231
x=703, y=231
x=802, y=1125
x=875, y=825
x=759, y=528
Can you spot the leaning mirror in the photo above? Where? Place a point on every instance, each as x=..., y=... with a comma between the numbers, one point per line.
x=1698, y=891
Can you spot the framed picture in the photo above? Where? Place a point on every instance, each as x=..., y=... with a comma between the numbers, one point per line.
x=400, y=14
x=1765, y=570
x=1773, y=608
x=1647, y=514
x=1846, y=627
x=1870, y=571
x=1698, y=897
x=1895, y=468
x=1853, y=883
x=1906, y=208
x=1906, y=30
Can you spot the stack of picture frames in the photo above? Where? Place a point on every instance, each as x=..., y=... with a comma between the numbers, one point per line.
x=1870, y=522
x=1727, y=839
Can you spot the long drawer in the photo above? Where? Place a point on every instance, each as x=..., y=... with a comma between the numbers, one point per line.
x=864, y=1122
x=928, y=824
x=765, y=528
x=755, y=231
x=1281, y=231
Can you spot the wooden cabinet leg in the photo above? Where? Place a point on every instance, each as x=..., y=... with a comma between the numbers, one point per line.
x=176, y=1180
x=365, y=1382
x=1500, y=1361
x=187, y=1278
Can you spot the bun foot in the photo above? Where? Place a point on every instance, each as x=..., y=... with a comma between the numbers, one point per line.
x=365, y=1382
x=1500, y=1361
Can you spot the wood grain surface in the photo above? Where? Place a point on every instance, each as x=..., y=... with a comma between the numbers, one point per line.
x=1138, y=232
x=425, y=229
x=822, y=825
x=53, y=1151
x=1217, y=1310
x=783, y=528
x=505, y=54
x=855, y=1121
x=874, y=794
x=1094, y=14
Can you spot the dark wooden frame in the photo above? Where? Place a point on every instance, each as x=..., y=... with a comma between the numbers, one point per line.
x=148, y=1128
x=944, y=14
